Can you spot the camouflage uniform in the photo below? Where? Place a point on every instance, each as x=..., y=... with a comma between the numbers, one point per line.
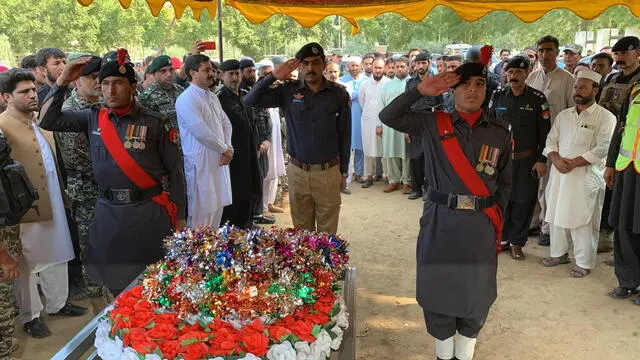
x=81, y=184
x=161, y=100
x=10, y=238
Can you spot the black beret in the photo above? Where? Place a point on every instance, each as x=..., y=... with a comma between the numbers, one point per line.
x=423, y=56
x=246, y=63
x=158, y=63
x=518, y=62
x=113, y=68
x=231, y=64
x=92, y=66
x=627, y=43
x=467, y=70
x=309, y=50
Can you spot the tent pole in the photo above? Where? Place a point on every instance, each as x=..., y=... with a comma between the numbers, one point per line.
x=220, y=52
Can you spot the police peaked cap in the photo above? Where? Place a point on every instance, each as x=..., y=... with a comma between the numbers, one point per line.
x=518, y=62
x=627, y=43
x=309, y=50
x=158, y=63
x=231, y=64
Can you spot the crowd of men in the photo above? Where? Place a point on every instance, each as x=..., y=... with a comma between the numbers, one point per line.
x=121, y=158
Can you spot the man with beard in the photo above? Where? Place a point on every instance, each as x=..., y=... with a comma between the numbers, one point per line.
x=51, y=61
x=527, y=112
x=622, y=176
x=265, y=66
x=394, y=146
x=371, y=125
x=577, y=146
x=246, y=181
x=332, y=72
x=205, y=132
x=602, y=63
x=426, y=103
x=161, y=96
x=318, y=120
x=557, y=86
x=132, y=150
x=81, y=183
x=30, y=63
x=412, y=66
x=389, y=68
x=461, y=220
x=353, y=81
x=367, y=65
x=615, y=91
x=440, y=60
x=452, y=62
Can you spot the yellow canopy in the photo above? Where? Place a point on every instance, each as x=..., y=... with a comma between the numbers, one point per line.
x=309, y=12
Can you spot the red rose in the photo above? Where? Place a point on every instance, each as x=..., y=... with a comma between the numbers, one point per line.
x=144, y=347
x=226, y=334
x=255, y=343
x=302, y=329
x=256, y=326
x=195, y=351
x=189, y=328
x=199, y=335
x=277, y=332
x=324, y=306
x=142, y=318
x=122, y=312
x=224, y=347
x=219, y=324
x=134, y=335
x=162, y=332
x=143, y=305
x=169, y=348
x=166, y=318
x=318, y=318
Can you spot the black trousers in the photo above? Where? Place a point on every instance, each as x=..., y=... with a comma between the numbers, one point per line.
x=626, y=258
x=517, y=220
x=240, y=213
x=606, y=208
x=417, y=173
x=442, y=326
x=74, y=267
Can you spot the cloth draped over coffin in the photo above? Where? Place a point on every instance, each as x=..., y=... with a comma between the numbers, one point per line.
x=309, y=12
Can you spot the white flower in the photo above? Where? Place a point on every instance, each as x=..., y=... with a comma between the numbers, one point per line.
x=130, y=354
x=321, y=348
x=282, y=351
x=110, y=349
x=342, y=318
x=216, y=358
x=303, y=350
x=250, y=356
x=335, y=343
x=152, y=357
x=103, y=329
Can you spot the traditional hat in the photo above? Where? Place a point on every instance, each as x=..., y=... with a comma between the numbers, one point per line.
x=158, y=63
x=590, y=75
x=264, y=62
x=574, y=48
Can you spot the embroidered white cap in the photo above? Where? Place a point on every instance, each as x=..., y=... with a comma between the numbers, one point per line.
x=591, y=75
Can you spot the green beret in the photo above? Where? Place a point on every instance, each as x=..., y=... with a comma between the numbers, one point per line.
x=158, y=63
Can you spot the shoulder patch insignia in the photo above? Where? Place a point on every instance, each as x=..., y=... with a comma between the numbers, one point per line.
x=174, y=136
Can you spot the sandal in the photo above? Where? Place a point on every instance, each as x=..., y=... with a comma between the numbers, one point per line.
x=516, y=252
x=578, y=272
x=549, y=261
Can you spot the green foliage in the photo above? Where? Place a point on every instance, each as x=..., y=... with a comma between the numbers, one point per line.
x=28, y=25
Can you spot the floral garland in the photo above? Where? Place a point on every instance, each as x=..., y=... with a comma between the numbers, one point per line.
x=182, y=312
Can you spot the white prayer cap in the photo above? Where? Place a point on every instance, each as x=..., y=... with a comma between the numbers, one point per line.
x=591, y=75
x=263, y=63
x=354, y=59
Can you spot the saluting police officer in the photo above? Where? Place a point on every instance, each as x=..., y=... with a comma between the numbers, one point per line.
x=133, y=214
x=527, y=112
x=318, y=120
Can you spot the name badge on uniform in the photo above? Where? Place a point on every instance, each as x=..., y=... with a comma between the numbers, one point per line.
x=488, y=160
x=298, y=98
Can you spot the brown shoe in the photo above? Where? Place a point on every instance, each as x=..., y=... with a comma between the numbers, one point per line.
x=516, y=252
x=391, y=187
x=275, y=209
x=406, y=189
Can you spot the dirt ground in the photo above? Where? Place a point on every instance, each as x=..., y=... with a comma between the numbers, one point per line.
x=540, y=313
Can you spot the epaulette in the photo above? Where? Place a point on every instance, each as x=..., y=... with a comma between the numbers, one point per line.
x=538, y=93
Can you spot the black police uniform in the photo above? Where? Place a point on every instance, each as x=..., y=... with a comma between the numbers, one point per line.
x=528, y=115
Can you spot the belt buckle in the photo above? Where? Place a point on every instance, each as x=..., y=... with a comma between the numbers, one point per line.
x=121, y=195
x=466, y=202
